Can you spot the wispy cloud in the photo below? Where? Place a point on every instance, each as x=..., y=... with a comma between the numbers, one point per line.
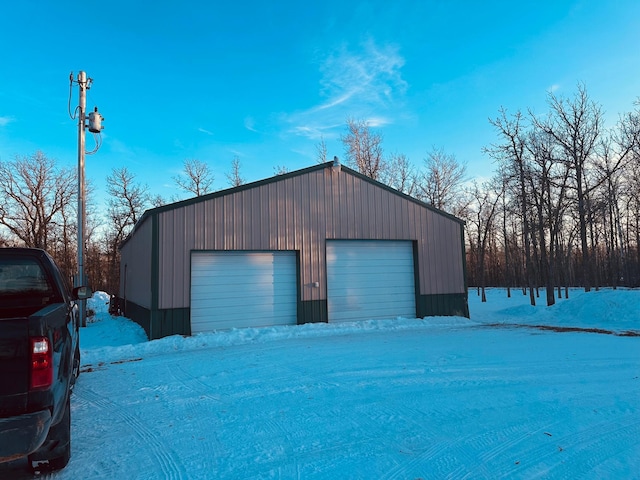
x=249, y=124
x=364, y=83
x=119, y=147
x=377, y=121
x=371, y=75
x=200, y=129
x=313, y=132
x=4, y=121
x=553, y=88
x=235, y=152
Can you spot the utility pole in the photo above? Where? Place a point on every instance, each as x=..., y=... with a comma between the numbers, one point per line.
x=82, y=86
x=95, y=126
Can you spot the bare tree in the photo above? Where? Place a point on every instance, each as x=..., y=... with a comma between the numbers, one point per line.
x=321, y=151
x=128, y=197
x=157, y=201
x=547, y=180
x=34, y=193
x=4, y=240
x=483, y=213
x=128, y=201
x=196, y=177
x=234, y=177
x=63, y=246
x=441, y=183
x=628, y=139
x=401, y=174
x=363, y=149
x=576, y=125
x=512, y=154
x=280, y=170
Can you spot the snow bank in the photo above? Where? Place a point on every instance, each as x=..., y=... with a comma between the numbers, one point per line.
x=104, y=330
x=99, y=303
x=101, y=351
x=608, y=309
x=112, y=339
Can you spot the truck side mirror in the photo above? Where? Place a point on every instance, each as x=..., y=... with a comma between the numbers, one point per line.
x=82, y=293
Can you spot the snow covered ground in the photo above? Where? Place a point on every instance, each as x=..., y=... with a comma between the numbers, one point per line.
x=444, y=397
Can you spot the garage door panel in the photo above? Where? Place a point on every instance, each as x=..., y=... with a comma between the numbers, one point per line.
x=390, y=269
x=242, y=289
x=352, y=303
x=258, y=301
x=231, y=311
x=385, y=295
x=238, y=289
x=241, y=322
x=369, y=280
x=233, y=302
x=205, y=281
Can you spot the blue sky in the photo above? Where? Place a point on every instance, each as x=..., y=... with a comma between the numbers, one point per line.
x=266, y=80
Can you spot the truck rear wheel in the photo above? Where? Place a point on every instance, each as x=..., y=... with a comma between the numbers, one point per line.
x=58, y=458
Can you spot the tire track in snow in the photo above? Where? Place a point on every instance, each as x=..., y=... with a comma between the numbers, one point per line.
x=515, y=435
x=178, y=373
x=166, y=458
x=278, y=458
x=269, y=426
x=602, y=441
x=435, y=453
x=603, y=448
x=211, y=444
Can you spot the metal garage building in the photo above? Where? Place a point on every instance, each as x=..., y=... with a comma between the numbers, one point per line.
x=323, y=244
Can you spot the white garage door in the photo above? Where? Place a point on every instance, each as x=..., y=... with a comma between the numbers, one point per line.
x=370, y=280
x=242, y=289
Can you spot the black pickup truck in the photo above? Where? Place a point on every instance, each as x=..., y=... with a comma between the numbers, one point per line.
x=39, y=358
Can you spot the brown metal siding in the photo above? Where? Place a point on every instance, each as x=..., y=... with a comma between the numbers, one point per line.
x=136, y=265
x=299, y=213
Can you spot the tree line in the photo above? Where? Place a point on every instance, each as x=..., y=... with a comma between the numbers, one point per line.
x=38, y=208
x=562, y=208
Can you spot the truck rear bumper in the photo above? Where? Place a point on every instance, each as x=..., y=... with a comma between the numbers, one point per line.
x=22, y=435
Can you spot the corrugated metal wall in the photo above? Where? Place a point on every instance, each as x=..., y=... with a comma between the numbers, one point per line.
x=135, y=266
x=300, y=212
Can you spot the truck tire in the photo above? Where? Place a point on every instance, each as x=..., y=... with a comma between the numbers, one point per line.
x=60, y=433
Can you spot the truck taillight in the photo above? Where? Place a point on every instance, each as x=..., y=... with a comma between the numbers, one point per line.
x=41, y=363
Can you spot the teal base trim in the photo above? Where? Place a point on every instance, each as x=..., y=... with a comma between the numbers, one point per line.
x=450, y=304
x=174, y=321
x=140, y=315
x=312, y=311
x=177, y=321
x=162, y=323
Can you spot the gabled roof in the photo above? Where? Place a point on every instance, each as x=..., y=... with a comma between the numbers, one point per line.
x=277, y=178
